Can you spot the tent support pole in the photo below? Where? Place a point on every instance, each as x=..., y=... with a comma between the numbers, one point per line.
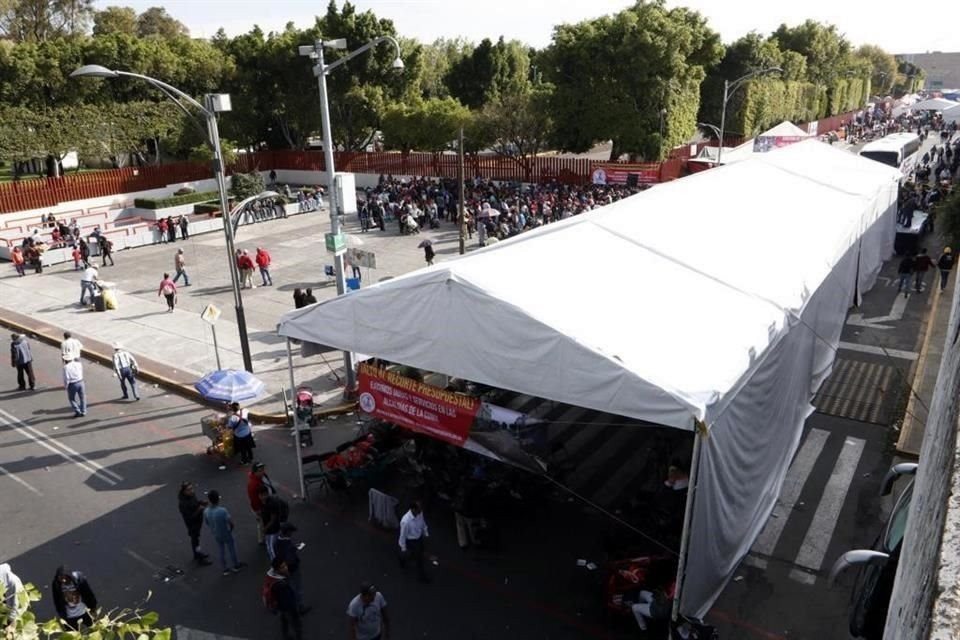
x=699, y=433
x=296, y=428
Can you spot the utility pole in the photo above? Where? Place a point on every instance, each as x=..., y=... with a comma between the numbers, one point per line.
x=460, y=195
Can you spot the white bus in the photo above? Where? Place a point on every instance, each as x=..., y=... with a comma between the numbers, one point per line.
x=897, y=150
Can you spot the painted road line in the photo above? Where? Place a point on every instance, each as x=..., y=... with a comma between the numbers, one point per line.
x=792, y=486
x=21, y=481
x=879, y=351
x=61, y=449
x=817, y=540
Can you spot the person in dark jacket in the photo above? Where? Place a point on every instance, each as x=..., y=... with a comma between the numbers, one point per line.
x=945, y=264
x=285, y=600
x=274, y=512
x=298, y=299
x=285, y=550
x=905, y=274
x=22, y=360
x=73, y=598
x=191, y=510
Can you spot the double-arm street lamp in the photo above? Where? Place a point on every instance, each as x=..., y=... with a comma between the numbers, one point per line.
x=213, y=103
x=322, y=70
x=729, y=88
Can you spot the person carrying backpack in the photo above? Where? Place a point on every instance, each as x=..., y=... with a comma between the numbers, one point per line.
x=278, y=598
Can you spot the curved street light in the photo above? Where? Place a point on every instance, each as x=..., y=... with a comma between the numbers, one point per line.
x=322, y=70
x=213, y=103
x=729, y=88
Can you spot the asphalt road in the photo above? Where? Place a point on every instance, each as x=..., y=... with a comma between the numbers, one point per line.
x=99, y=494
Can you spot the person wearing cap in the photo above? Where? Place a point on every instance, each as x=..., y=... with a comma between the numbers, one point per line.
x=285, y=550
x=945, y=264
x=368, y=615
x=126, y=368
x=255, y=479
x=22, y=360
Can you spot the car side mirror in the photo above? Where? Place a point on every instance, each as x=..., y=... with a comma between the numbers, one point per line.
x=902, y=469
x=856, y=558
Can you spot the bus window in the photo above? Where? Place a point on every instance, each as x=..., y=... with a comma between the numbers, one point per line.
x=891, y=158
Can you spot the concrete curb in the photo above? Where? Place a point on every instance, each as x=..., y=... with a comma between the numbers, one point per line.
x=909, y=421
x=52, y=335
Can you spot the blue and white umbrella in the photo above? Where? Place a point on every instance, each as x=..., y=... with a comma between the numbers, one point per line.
x=229, y=385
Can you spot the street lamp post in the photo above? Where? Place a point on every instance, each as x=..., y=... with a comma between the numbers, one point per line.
x=322, y=70
x=728, y=89
x=213, y=103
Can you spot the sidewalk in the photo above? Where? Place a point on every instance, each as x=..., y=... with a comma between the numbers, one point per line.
x=177, y=349
x=924, y=374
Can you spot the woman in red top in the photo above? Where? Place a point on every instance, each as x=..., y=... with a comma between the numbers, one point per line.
x=169, y=291
x=18, y=260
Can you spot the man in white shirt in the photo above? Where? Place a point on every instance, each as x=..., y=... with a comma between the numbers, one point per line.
x=70, y=348
x=76, y=391
x=413, y=535
x=87, y=281
x=126, y=367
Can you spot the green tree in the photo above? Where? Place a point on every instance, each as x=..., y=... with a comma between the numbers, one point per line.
x=42, y=20
x=155, y=21
x=909, y=78
x=115, y=20
x=424, y=125
x=438, y=59
x=882, y=67
x=490, y=70
x=518, y=123
x=632, y=78
x=203, y=152
x=826, y=50
x=245, y=185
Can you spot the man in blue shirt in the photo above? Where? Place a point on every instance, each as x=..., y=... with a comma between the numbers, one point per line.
x=221, y=525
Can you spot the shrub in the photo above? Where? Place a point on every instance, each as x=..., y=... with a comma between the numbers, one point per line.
x=244, y=185
x=206, y=207
x=184, y=191
x=173, y=201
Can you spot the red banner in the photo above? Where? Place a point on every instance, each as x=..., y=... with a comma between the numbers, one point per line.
x=625, y=174
x=417, y=406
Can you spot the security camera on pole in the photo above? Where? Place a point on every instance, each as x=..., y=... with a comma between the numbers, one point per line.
x=334, y=240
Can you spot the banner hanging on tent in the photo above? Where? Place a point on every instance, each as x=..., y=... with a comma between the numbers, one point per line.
x=417, y=406
x=762, y=144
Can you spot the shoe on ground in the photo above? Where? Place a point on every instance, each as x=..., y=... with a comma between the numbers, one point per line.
x=202, y=561
x=228, y=572
x=126, y=397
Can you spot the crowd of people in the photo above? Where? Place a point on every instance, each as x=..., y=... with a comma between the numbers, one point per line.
x=492, y=211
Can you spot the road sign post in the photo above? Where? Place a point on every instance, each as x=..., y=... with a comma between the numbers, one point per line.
x=210, y=315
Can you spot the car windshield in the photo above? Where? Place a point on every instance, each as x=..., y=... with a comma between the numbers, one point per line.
x=898, y=520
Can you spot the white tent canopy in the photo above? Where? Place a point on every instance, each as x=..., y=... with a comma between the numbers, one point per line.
x=933, y=104
x=951, y=114
x=745, y=151
x=693, y=300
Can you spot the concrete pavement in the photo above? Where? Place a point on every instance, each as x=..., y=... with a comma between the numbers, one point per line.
x=177, y=349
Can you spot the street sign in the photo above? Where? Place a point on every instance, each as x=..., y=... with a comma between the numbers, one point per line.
x=210, y=314
x=361, y=258
x=336, y=244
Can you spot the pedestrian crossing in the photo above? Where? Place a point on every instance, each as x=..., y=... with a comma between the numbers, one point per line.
x=860, y=390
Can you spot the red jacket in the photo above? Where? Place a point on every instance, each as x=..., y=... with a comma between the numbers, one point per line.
x=244, y=262
x=263, y=258
x=254, y=482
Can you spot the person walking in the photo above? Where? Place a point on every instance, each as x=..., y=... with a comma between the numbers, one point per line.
x=73, y=598
x=169, y=291
x=255, y=479
x=308, y=297
x=184, y=224
x=76, y=390
x=221, y=524
x=280, y=597
x=106, y=251
x=126, y=368
x=413, y=535
x=18, y=261
x=274, y=512
x=286, y=551
x=84, y=252
x=905, y=273
x=367, y=613
x=191, y=510
x=88, y=283
x=921, y=265
x=180, y=268
x=428, y=253
x=242, y=433
x=246, y=266
x=22, y=360
x=263, y=262
x=298, y=299
x=945, y=264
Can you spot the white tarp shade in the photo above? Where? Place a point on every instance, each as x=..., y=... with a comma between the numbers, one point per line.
x=745, y=151
x=718, y=297
x=933, y=104
x=951, y=114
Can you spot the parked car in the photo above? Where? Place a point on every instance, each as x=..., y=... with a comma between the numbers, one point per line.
x=870, y=597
